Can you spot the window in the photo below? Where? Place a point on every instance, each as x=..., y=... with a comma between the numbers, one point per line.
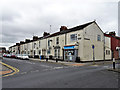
x=34, y=45
x=34, y=52
x=49, y=51
x=55, y=52
x=107, y=52
x=98, y=38
x=73, y=37
x=39, y=52
x=57, y=40
x=39, y=43
x=48, y=42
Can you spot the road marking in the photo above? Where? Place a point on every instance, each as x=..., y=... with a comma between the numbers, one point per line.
x=15, y=70
x=23, y=73
x=34, y=71
x=57, y=67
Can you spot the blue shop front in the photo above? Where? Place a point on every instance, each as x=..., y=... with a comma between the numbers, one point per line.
x=70, y=52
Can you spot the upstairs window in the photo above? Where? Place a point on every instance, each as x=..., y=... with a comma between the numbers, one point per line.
x=48, y=42
x=98, y=37
x=39, y=43
x=57, y=40
x=73, y=37
x=34, y=45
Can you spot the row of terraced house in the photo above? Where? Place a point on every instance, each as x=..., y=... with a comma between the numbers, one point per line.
x=83, y=42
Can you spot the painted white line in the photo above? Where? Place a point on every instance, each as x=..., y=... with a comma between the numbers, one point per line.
x=57, y=67
x=23, y=73
x=34, y=71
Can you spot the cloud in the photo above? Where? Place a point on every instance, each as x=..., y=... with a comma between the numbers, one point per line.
x=22, y=18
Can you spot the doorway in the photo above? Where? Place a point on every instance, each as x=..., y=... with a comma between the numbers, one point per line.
x=57, y=53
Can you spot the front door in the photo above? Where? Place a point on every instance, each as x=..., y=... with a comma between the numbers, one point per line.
x=57, y=53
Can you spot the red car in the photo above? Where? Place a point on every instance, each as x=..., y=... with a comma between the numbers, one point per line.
x=13, y=56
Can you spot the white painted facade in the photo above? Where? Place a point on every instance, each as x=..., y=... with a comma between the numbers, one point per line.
x=84, y=39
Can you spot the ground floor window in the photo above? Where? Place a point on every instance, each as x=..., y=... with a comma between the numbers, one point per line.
x=107, y=52
x=39, y=52
x=34, y=52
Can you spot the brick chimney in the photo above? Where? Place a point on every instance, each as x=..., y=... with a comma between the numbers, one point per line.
x=35, y=37
x=21, y=42
x=63, y=28
x=112, y=33
x=46, y=34
x=17, y=43
x=27, y=40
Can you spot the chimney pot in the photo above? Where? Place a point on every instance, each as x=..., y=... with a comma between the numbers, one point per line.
x=63, y=28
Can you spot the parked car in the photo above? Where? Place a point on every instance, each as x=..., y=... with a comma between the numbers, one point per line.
x=4, y=55
x=24, y=56
x=13, y=56
x=18, y=56
x=8, y=55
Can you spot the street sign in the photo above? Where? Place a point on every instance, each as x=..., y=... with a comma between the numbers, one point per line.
x=93, y=46
x=93, y=54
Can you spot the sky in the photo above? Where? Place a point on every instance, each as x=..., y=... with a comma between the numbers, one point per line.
x=21, y=19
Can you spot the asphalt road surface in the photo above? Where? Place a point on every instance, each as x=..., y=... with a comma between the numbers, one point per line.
x=35, y=74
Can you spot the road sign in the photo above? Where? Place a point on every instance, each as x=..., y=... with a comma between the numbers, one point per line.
x=93, y=46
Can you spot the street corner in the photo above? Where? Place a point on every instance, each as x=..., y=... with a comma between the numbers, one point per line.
x=7, y=70
x=114, y=70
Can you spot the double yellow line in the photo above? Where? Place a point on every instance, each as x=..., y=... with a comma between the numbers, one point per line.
x=15, y=70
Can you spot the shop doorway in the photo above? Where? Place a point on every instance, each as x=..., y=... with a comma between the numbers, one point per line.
x=70, y=54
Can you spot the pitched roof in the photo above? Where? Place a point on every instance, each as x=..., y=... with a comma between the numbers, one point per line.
x=80, y=27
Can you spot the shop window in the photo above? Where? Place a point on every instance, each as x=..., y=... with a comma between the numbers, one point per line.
x=73, y=37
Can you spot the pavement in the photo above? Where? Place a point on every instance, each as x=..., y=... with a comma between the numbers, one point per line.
x=84, y=64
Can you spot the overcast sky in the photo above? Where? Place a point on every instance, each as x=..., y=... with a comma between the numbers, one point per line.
x=20, y=19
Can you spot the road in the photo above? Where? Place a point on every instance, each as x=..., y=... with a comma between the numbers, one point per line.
x=35, y=74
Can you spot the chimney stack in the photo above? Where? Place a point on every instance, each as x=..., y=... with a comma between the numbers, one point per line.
x=21, y=42
x=27, y=40
x=46, y=34
x=112, y=33
x=17, y=43
x=63, y=28
x=35, y=37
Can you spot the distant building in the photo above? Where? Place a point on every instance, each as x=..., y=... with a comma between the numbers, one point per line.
x=115, y=44
x=2, y=50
